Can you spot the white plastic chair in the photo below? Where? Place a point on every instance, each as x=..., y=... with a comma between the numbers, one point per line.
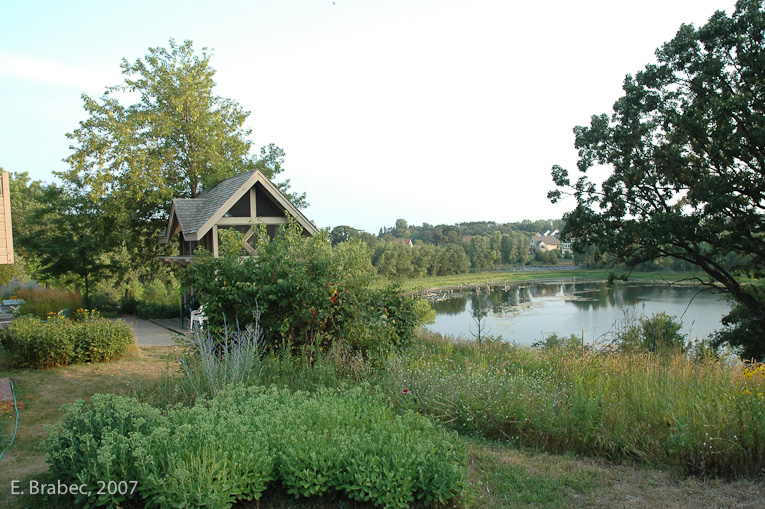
x=197, y=316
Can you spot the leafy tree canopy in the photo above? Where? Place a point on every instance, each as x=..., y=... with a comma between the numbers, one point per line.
x=74, y=240
x=176, y=140
x=686, y=146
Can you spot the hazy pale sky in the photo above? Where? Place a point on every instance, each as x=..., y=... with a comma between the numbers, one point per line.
x=433, y=111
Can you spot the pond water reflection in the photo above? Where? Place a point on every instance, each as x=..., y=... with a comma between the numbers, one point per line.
x=526, y=313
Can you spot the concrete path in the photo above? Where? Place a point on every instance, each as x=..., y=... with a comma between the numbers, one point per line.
x=6, y=394
x=148, y=333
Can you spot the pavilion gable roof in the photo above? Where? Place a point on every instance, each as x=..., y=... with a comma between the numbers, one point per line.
x=196, y=216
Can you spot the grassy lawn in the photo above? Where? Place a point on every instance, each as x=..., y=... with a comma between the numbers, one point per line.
x=41, y=393
x=498, y=277
x=500, y=475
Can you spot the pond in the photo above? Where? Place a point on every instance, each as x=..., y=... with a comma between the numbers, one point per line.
x=526, y=313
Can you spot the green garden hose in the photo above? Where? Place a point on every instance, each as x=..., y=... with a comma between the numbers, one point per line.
x=16, y=428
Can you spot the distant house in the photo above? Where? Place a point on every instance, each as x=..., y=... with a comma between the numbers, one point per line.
x=406, y=242
x=238, y=203
x=6, y=231
x=544, y=243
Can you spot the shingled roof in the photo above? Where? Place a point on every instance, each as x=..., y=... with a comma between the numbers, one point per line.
x=193, y=213
x=196, y=216
x=547, y=239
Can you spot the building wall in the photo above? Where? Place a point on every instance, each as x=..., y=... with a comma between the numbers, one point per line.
x=6, y=231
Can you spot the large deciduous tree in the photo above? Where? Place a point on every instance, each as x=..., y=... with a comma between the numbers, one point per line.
x=176, y=140
x=686, y=146
x=74, y=239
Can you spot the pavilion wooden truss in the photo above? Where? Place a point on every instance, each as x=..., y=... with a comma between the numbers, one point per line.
x=239, y=202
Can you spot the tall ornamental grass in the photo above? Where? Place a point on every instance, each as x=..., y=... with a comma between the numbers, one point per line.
x=213, y=361
x=40, y=302
x=699, y=416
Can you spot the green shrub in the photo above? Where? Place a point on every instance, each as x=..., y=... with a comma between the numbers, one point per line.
x=309, y=293
x=98, y=339
x=657, y=333
x=234, y=446
x=147, y=310
x=96, y=442
x=34, y=343
x=129, y=305
x=204, y=456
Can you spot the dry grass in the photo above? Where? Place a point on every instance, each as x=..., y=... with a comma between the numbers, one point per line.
x=41, y=301
x=43, y=392
x=502, y=476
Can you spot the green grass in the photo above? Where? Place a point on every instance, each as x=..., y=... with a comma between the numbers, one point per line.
x=515, y=483
x=499, y=277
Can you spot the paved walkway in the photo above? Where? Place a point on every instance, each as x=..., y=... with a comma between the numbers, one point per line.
x=146, y=332
x=150, y=333
x=6, y=394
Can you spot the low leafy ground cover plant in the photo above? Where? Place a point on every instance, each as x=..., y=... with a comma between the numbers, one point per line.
x=697, y=416
x=58, y=341
x=234, y=446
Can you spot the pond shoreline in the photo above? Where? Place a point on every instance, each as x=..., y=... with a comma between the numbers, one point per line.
x=521, y=310
x=429, y=292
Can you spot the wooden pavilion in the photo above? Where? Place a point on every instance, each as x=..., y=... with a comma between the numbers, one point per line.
x=238, y=202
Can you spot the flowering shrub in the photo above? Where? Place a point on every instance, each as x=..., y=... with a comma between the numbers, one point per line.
x=309, y=293
x=234, y=446
x=58, y=341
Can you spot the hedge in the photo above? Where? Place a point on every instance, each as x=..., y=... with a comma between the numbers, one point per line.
x=58, y=341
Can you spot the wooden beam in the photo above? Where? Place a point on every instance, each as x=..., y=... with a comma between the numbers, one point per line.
x=245, y=221
x=215, y=240
x=5, y=196
x=270, y=220
x=183, y=261
x=233, y=221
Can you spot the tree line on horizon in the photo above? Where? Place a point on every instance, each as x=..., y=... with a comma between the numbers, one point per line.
x=444, y=250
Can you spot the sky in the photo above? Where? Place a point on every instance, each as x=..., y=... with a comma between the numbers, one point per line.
x=433, y=111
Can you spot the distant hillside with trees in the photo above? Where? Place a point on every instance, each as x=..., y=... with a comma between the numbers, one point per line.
x=443, y=250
